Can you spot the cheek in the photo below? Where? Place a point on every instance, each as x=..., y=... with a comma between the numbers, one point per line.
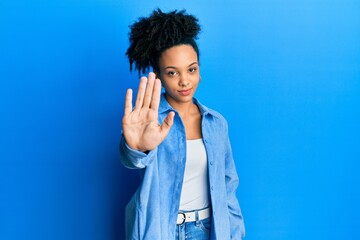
x=167, y=83
x=196, y=79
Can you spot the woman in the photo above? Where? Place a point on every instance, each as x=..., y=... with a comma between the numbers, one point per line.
x=188, y=174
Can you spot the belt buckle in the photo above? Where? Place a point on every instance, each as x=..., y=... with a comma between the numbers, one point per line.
x=184, y=218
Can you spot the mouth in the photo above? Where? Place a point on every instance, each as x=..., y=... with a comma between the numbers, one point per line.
x=185, y=92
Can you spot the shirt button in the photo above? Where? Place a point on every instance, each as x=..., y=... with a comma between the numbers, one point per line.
x=205, y=141
x=211, y=163
x=212, y=188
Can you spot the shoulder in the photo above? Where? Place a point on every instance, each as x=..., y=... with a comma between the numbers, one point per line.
x=212, y=114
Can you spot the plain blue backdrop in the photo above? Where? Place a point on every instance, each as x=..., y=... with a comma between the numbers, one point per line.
x=285, y=74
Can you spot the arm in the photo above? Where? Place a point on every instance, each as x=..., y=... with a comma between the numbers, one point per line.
x=232, y=182
x=134, y=159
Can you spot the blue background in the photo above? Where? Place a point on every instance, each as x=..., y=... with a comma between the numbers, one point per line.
x=285, y=74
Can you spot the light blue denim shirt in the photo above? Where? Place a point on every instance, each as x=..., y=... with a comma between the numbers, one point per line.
x=152, y=211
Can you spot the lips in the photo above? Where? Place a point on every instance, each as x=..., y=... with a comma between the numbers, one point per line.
x=185, y=92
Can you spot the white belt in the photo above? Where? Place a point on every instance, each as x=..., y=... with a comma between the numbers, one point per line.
x=184, y=217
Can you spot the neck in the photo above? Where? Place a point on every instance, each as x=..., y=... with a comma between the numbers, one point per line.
x=183, y=108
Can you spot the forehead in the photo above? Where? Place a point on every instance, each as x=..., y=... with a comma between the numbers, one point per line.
x=178, y=56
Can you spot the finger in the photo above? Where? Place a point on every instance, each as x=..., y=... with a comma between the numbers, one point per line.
x=128, y=102
x=166, y=125
x=155, y=101
x=140, y=93
x=149, y=90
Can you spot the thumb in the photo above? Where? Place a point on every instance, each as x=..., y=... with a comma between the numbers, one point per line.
x=166, y=125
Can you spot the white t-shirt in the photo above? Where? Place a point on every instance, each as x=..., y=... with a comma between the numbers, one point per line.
x=195, y=189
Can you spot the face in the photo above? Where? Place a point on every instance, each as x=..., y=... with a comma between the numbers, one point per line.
x=179, y=73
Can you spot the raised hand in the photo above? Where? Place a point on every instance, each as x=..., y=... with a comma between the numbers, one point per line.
x=141, y=127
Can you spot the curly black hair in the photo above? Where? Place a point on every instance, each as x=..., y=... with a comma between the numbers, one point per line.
x=152, y=35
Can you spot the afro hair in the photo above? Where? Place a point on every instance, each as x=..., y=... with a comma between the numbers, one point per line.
x=152, y=35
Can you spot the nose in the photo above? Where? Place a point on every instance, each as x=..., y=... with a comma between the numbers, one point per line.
x=183, y=81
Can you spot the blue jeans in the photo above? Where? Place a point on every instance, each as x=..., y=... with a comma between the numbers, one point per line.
x=198, y=230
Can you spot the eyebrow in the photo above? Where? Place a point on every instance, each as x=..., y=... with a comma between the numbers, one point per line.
x=176, y=67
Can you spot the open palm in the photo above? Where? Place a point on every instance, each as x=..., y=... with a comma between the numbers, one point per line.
x=140, y=125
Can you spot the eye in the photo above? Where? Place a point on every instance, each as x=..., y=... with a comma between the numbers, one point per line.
x=172, y=73
x=192, y=69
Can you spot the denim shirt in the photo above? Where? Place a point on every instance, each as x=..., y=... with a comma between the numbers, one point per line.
x=152, y=211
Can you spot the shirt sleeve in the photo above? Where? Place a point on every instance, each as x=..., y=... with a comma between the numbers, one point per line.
x=135, y=159
x=232, y=182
